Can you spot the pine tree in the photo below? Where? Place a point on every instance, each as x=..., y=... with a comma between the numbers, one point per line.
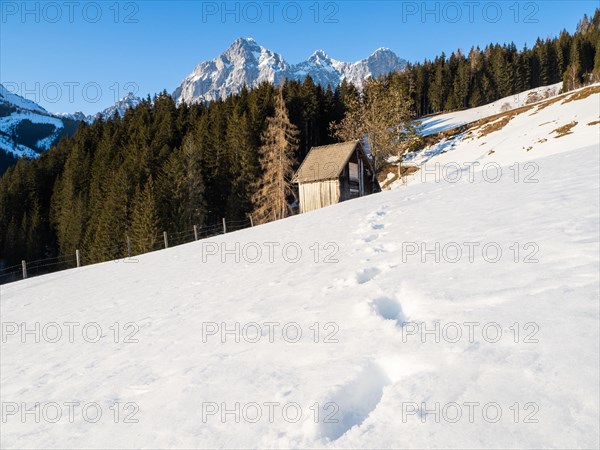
x=107, y=240
x=181, y=187
x=572, y=76
x=596, y=71
x=279, y=143
x=192, y=184
x=244, y=165
x=143, y=231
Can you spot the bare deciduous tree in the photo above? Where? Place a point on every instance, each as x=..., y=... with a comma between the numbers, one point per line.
x=382, y=116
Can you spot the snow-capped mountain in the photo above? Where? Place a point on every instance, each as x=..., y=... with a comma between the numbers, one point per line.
x=78, y=115
x=246, y=62
x=129, y=101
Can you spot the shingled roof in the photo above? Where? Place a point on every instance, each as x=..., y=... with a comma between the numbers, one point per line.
x=325, y=162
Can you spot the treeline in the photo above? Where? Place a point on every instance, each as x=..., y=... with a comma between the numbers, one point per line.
x=483, y=76
x=160, y=167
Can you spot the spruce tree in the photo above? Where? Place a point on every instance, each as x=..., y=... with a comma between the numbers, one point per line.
x=143, y=231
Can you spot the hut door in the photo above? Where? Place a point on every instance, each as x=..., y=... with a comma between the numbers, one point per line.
x=354, y=179
x=361, y=187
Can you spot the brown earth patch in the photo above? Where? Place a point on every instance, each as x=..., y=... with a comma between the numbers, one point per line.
x=584, y=93
x=547, y=103
x=564, y=130
x=382, y=177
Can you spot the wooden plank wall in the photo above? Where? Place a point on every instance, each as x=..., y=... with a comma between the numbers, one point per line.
x=318, y=194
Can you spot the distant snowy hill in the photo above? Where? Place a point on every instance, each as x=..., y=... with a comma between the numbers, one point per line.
x=449, y=313
x=7, y=97
x=247, y=62
x=27, y=129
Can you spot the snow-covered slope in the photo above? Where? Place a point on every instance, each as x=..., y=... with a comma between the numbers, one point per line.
x=441, y=122
x=526, y=132
x=8, y=97
x=512, y=290
x=247, y=63
x=26, y=129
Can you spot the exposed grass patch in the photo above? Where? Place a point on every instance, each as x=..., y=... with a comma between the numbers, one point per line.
x=494, y=126
x=547, y=103
x=584, y=93
x=434, y=138
x=564, y=130
x=497, y=121
x=385, y=180
x=594, y=123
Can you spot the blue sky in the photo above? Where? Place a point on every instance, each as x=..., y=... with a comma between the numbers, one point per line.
x=76, y=55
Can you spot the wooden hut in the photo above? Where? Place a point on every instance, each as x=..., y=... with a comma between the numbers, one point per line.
x=333, y=173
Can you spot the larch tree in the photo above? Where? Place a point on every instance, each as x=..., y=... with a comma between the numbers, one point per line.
x=279, y=144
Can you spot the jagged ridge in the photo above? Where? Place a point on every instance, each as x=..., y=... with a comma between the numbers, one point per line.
x=246, y=62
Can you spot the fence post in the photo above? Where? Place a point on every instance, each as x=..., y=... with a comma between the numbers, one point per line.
x=128, y=247
x=224, y=226
x=77, y=258
x=166, y=239
x=24, y=266
x=195, y=233
x=251, y=221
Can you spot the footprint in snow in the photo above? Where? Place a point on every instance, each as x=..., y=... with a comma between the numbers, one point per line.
x=388, y=308
x=367, y=275
x=351, y=403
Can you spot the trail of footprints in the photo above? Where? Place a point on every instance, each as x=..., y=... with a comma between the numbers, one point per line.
x=361, y=395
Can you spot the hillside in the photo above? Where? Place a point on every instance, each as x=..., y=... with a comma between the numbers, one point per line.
x=27, y=129
x=491, y=135
x=517, y=258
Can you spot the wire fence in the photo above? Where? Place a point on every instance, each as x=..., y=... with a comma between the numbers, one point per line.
x=123, y=250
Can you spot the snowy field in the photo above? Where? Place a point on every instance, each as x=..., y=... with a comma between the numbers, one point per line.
x=451, y=313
